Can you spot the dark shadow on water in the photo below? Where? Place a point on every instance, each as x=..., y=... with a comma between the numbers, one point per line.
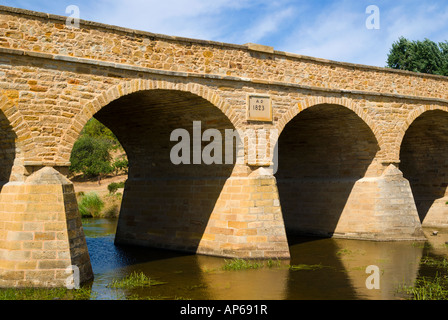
x=295, y=238
x=340, y=276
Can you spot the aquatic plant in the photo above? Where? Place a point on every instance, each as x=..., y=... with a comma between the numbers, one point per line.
x=134, y=280
x=299, y=267
x=427, y=288
x=242, y=264
x=433, y=262
x=273, y=263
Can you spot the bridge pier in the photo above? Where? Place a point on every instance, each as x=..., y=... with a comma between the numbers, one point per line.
x=233, y=217
x=247, y=221
x=381, y=208
x=41, y=234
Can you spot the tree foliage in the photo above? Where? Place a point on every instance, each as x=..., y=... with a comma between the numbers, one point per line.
x=91, y=154
x=419, y=56
x=96, y=129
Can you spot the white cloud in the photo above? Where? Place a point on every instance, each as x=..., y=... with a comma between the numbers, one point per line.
x=194, y=18
x=327, y=29
x=266, y=25
x=339, y=31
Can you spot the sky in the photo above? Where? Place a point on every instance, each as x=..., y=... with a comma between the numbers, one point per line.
x=336, y=30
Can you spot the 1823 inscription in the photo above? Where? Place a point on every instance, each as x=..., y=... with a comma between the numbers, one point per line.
x=259, y=108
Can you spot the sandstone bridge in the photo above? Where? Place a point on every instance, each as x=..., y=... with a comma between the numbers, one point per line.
x=362, y=151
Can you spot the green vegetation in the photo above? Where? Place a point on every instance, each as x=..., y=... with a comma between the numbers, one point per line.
x=45, y=294
x=305, y=267
x=344, y=252
x=241, y=264
x=422, y=244
x=245, y=264
x=121, y=164
x=114, y=186
x=433, y=262
x=427, y=288
x=91, y=154
x=273, y=263
x=430, y=288
x=419, y=56
x=91, y=157
x=134, y=280
x=90, y=205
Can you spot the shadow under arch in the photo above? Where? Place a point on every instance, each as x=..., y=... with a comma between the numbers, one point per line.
x=165, y=205
x=7, y=149
x=322, y=153
x=424, y=162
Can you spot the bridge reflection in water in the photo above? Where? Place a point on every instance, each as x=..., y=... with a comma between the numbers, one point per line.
x=341, y=275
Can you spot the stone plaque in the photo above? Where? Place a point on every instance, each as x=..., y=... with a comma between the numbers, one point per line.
x=259, y=108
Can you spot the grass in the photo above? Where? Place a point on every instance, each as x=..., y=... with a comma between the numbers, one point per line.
x=344, y=252
x=432, y=262
x=422, y=244
x=45, y=294
x=241, y=264
x=433, y=287
x=90, y=205
x=134, y=280
x=245, y=264
x=427, y=288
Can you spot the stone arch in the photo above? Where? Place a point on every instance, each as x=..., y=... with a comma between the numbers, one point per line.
x=401, y=131
x=133, y=86
x=19, y=140
x=325, y=153
x=423, y=153
x=165, y=205
x=308, y=102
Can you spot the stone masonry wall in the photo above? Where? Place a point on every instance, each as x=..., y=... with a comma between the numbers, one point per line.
x=341, y=130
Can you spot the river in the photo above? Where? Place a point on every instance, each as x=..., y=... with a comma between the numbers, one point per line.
x=326, y=269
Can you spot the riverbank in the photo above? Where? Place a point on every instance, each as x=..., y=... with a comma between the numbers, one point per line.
x=112, y=202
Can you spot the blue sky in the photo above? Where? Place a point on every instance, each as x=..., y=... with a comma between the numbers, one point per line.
x=334, y=30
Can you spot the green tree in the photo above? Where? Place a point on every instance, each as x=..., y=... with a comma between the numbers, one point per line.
x=91, y=157
x=419, y=56
x=121, y=165
x=96, y=129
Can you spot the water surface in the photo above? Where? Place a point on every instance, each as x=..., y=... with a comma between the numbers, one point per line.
x=341, y=273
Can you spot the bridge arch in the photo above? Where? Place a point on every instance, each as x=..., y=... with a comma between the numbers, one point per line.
x=132, y=86
x=308, y=102
x=15, y=138
x=323, y=152
x=413, y=115
x=423, y=161
x=164, y=204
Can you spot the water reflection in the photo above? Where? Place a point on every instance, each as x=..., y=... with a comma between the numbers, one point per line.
x=341, y=275
x=398, y=264
x=268, y=283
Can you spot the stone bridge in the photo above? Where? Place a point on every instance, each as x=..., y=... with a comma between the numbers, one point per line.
x=362, y=151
